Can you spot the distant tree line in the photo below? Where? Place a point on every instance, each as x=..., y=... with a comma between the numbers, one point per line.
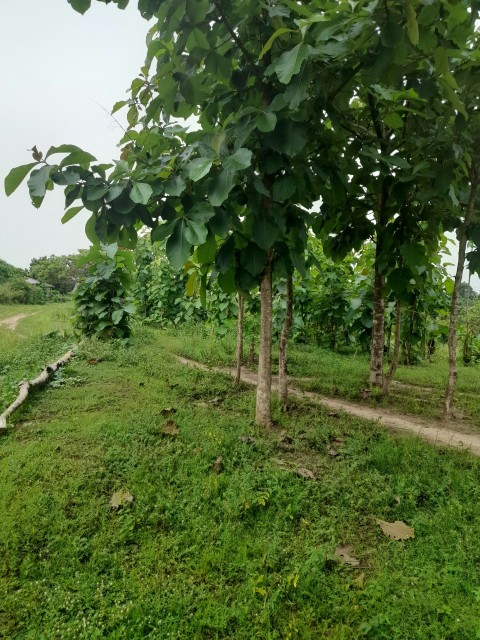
x=48, y=279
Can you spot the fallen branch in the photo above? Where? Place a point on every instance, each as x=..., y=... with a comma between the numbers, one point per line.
x=25, y=388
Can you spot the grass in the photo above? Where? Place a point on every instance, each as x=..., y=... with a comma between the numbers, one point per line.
x=41, y=337
x=241, y=554
x=418, y=389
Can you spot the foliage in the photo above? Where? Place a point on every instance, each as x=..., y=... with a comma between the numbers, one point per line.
x=103, y=303
x=247, y=553
x=9, y=272
x=60, y=272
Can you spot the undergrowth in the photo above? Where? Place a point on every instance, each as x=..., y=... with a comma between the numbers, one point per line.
x=239, y=549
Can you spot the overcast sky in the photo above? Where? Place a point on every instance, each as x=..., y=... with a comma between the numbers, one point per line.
x=56, y=65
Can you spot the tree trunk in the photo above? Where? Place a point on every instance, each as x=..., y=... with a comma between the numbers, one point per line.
x=378, y=332
x=452, y=329
x=263, y=415
x=26, y=387
x=282, y=354
x=396, y=350
x=241, y=307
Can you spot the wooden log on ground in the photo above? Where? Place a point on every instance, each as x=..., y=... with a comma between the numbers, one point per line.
x=25, y=388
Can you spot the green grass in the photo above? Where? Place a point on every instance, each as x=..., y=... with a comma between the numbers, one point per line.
x=246, y=553
x=41, y=337
x=420, y=391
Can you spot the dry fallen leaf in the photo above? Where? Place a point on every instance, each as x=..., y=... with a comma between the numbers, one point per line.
x=343, y=553
x=305, y=473
x=217, y=466
x=120, y=499
x=396, y=530
x=170, y=428
x=168, y=411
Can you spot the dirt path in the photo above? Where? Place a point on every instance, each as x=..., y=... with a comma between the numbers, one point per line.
x=11, y=323
x=432, y=432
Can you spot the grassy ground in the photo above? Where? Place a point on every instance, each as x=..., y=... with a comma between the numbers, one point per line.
x=37, y=340
x=418, y=391
x=240, y=552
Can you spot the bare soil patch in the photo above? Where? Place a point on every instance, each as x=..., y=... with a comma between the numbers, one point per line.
x=11, y=323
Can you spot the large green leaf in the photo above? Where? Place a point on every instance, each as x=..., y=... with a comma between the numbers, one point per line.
x=71, y=213
x=78, y=157
x=141, y=192
x=290, y=62
x=178, y=247
x=220, y=187
x=414, y=255
x=17, y=176
x=80, y=5
x=196, y=232
x=253, y=259
x=268, y=45
x=264, y=231
x=412, y=24
x=289, y=137
x=199, y=168
x=241, y=159
x=37, y=183
x=283, y=188
x=266, y=121
x=64, y=148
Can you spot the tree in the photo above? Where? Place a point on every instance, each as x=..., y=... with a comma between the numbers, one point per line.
x=272, y=87
x=60, y=272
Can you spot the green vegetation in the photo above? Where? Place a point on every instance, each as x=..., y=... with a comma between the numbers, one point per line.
x=40, y=338
x=247, y=552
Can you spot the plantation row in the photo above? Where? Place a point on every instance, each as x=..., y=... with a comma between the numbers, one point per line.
x=357, y=122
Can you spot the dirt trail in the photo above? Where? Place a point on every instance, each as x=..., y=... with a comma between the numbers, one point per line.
x=11, y=323
x=432, y=432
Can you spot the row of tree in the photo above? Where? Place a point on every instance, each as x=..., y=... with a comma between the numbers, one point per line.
x=48, y=279
x=367, y=109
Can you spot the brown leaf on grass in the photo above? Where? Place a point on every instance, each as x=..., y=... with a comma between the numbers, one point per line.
x=217, y=466
x=168, y=411
x=120, y=499
x=247, y=439
x=343, y=554
x=170, y=428
x=396, y=530
x=305, y=473
x=93, y=361
x=333, y=453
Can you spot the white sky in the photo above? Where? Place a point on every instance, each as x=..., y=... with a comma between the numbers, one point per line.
x=55, y=66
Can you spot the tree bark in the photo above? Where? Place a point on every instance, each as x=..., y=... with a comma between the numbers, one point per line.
x=241, y=307
x=282, y=353
x=452, y=329
x=26, y=387
x=396, y=350
x=378, y=332
x=263, y=415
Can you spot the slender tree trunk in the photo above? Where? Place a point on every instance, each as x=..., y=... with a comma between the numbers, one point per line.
x=282, y=354
x=452, y=330
x=396, y=350
x=378, y=328
x=251, y=352
x=241, y=307
x=378, y=332
x=263, y=414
